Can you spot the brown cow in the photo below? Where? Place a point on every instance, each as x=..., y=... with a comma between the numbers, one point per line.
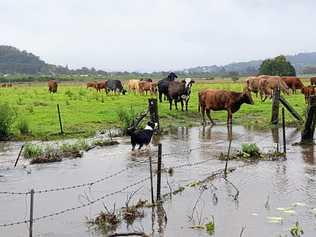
x=133, y=85
x=52, y=86
x=313, y=80
x=92, y=84
x=4, y=85
x=101, y=85
x=253, y=84
x=213, y=99
x=9, y=85
x=145, y=86
x=307, y=91
x=293, y=83
x=268, y=83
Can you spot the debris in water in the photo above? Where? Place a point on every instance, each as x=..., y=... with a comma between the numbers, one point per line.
x=275, y=219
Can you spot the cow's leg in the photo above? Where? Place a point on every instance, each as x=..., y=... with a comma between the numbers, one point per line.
x=160, y=97
x=208, y=113
x=140, y=146
x=203, y=115
x=186, y=104
x=181, y=105
x=176, y=104
x=229, y=117
x=170, y=103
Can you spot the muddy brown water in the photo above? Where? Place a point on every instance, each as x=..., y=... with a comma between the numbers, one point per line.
x=268, y=190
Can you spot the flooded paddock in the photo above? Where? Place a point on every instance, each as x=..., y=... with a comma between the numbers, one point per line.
x=273, y=194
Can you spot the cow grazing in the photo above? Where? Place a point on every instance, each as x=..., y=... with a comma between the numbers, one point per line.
x=308, y=91
x=145, y=86
x=180, y=91
x=313, y=80
x=101, y=85
x=52, y=86
x=212, y=99
x=293, y=83
x=133, y=85
x=115, y=86
x=4, y=85
x=252, y=85
x=164, y=84
x=92, y=84
x=269, y=83
x=142, y=137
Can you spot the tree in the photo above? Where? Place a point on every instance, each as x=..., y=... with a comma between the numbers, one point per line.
x=278, y=66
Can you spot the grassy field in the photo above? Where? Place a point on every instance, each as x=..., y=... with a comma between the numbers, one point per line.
x=84, y=111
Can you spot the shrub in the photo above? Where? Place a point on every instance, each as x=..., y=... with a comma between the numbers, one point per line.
x=23, y=127
x=126, y=117
x=31, y=151
x=250, y=149
x=7, y=116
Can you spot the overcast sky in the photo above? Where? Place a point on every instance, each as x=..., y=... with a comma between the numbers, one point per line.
x=149, y=35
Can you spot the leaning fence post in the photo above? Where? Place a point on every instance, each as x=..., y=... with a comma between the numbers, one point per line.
x=309, y=127
x=151, y=181
x=17, y=159
x=31, y=213
x=159, y=173
x=60, y=123
x=283, y=129
x=275, y=106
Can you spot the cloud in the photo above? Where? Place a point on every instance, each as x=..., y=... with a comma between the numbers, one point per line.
x=157, y=35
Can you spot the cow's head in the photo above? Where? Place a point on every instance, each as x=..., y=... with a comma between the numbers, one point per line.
x=187, y=87
x=246, y=97
x=124, y=91
x=172, y=76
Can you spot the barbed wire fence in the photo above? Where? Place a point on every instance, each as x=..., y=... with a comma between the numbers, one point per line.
x=90, y=184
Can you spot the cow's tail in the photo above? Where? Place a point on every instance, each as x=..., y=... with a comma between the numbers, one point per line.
x=199, y=102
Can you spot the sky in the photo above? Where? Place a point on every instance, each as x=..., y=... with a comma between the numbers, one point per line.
x=154, y=35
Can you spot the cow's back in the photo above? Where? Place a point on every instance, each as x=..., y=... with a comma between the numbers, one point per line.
x=215, y=99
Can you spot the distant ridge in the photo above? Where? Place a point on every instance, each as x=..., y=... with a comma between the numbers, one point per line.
x=15, y=61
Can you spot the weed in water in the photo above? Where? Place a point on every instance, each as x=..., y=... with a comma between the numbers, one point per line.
x=210, y=226
x=296, y=230
x=31, y=151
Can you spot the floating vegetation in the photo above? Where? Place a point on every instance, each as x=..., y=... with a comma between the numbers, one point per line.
x=208, y=227
x=106, y=221
x=107, y=142
x=296, y=230
x=275, y=219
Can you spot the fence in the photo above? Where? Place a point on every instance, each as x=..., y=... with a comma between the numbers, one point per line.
x=161, y=156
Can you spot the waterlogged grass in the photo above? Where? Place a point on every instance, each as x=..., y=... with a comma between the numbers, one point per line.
x=84, y=111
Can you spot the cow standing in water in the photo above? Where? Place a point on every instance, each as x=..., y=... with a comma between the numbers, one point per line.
x=52, y=86
x=212, y=99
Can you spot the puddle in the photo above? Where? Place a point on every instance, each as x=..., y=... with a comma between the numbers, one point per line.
x=267, y=189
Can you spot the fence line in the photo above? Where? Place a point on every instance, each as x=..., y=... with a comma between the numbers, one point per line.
x=77, y=207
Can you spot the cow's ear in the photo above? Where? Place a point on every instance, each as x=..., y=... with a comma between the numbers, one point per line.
x=183, y=81
x=192, y=81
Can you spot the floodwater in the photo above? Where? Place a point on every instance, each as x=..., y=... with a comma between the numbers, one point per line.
x=273, y=194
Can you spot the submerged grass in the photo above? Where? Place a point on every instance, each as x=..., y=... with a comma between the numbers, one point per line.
x=84, y=111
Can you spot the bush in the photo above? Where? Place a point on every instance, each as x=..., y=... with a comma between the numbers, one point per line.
x=23, y=127
x=250, y=149
x=32, y=151
x=126, y=117
x=7, y=116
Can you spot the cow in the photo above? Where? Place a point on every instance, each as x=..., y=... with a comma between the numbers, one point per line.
x=146, y=79
x=115, y=86
x=269, y=83
x=4, y=85
x=145, y=86
x=180, y=91
x=9, y=85
x=293, y=83
x=133, y=85
x=214, y=99
x=52, y=86
x=308, y=91
x=252, y=85
x=313, y=80
x=101, y=85
x=92, y=84
x=163, y=85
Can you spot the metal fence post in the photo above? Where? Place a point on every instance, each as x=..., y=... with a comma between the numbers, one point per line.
x=151, y=181
x=60, y=123
x=283, y=129
x=159, y=172
x=31, y=213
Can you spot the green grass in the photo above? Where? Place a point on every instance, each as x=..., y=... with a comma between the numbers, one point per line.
x=84, y=111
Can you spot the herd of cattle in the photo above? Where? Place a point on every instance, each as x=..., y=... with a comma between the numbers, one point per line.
x=208, y=99
x=264, y=85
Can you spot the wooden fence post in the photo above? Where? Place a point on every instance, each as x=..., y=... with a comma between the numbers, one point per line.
x=159, y=172
x=283, y=129
x=60, y=123
x=20, y=152
x=153, y=110
x=309, y=127
x=31, y=213
x=275, y=106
